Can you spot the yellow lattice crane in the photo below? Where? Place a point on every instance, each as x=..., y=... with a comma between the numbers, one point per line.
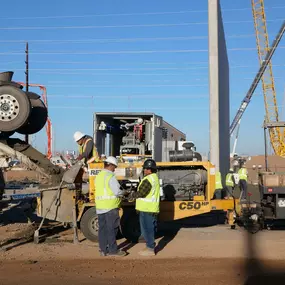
x=271, y=109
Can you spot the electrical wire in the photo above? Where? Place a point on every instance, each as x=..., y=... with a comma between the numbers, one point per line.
x=137, y=69
x=129, y=86
x=127, y=26
x=113, y=69
x=122, y=51
x=139, y=96
x=121, y=39
x=131, y=96
x=131, y=14
x=146, y=109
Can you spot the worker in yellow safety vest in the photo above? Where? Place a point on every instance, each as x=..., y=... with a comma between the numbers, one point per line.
x=147, y=204
x=87, y=153
x=107, y=201
x=242, y=174
x=218, y=186
x=86, y=147
x=230, y=183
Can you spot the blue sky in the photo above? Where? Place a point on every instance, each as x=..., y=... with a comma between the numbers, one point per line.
x=99, y=60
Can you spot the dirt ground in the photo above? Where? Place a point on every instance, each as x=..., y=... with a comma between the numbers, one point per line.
x=186, y=254
x=190, y=255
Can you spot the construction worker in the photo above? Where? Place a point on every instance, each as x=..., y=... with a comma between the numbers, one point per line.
x=147, y=204
x=107, y=200
x=218, y=186
x=242, y=173
x=87, y=149
x=230, y=183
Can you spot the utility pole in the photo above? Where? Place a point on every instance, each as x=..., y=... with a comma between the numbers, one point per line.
x=27, y=79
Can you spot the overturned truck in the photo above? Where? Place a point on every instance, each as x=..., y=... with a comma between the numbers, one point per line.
x=24, y=113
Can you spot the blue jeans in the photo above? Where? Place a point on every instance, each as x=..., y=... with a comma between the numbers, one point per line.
x=148, y=225
x=108, y=228
x=243, y=188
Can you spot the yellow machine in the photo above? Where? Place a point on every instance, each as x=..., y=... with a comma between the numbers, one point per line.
x=187, y=190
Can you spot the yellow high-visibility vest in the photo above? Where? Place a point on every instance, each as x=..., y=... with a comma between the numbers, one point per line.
x=151, y=202
x=218, y=180
x=242, y=173
x=229, y=180
x=104, y=196
x=82, y=148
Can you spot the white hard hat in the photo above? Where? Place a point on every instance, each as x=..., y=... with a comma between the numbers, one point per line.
x=78, y=135
x=112, y=160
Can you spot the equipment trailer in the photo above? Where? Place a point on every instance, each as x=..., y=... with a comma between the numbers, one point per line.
x=194, y=182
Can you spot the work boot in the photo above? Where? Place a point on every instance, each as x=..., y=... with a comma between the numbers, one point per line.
x=147, y=252
x=102, y=253
x=119, y=253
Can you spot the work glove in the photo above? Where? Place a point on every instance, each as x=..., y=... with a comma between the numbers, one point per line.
x=132, y=196
x=124, y=194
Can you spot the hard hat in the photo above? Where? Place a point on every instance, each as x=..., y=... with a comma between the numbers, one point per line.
x=78, y=135
x=111, y=160
x=149, y=164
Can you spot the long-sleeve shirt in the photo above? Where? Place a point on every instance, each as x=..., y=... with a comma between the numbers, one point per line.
x=88, y=152
x=143, y=189
x=116, y=189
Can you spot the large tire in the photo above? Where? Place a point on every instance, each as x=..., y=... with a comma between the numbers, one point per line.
x=89, y=224
x=37, y=118
x=130, y=226
x=15, y=108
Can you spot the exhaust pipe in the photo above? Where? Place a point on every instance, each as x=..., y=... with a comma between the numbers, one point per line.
x=185, y=155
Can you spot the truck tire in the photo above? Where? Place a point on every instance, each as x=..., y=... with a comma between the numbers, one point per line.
x=130, y=226
x=37, y=118
x=15, y=108
x=89, y=224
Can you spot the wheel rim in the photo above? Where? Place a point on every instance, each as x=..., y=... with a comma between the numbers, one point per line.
x=94, y=225
x=9, y=107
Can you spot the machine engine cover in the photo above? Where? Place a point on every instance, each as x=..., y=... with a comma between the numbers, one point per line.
x=179, y=183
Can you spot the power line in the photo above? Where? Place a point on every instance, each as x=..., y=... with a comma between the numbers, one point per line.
x=130, y=86
x=122, y=51
x=139, y=96
x=121, y=39
x=137, y=69
x=126, y=26
x=115, y=74
x=114, y=69
x=131, y=96
x=104, y=52
x=113, y=62
x=130, y=14
x=109, y=81
x=136, y=63
x=126, y=74
x=104, y=62
x=147, y=109
x=105, y=40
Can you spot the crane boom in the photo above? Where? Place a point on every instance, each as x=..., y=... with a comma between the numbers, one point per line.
x=268, y=86
x=256, y=80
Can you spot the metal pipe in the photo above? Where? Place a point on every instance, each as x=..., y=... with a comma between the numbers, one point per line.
x=184, y=155
x=27, y=79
